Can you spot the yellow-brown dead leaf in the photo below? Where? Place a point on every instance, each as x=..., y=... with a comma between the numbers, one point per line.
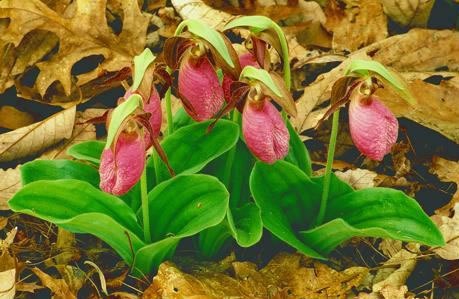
x=10, y=183
x=7, y=268
x=57, y=286
x=82, y=32
x=447, y=171
x=413, y=13
x=37, y=137
x=360, y=24
x=449, y=227
x=12, y=118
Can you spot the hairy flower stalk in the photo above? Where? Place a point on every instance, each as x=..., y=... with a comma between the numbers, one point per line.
x=374, y=129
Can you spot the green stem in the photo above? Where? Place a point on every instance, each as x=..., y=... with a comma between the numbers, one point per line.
x=328, y=169
x=170, y=122
x=284, y=47
x=231, y=154
x=145, y=208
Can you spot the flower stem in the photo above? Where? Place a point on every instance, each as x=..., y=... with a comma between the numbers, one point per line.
x=170, y=122
x=284, y=47
x=231, y=154
x=328, y=169
x=145, y=208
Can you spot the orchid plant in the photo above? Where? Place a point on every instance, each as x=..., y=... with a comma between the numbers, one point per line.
x=208, y=181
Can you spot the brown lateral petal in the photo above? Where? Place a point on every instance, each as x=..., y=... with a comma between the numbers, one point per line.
x=174, y=47
x=261, y=52
x=221, y=63
x=286, y=100
x=270, y=37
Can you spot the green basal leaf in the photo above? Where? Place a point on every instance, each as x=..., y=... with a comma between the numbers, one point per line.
x=119, y=114
x=141, y=63
x=181, y=207
x=79, y=207
x=261, y=75
x=363, y=67
x=190, y=148
x=243, y=220
x=297, y=153
x=58, y=169
x=90, y=151
x=288, y=201
x=209, y=34
x=182, y=119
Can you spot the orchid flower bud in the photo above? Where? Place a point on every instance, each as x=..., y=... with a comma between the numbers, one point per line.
x=198, y=83
x=264, y=131
x=121, y=170
x=373, y=127
x=244, y=60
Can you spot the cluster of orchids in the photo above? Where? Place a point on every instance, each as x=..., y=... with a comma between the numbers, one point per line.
x=206, y=180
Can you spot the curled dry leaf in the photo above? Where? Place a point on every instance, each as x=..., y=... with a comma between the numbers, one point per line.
x=58, y=287
x=37, y=137
x=358, y=178
x=287, y=275
x=9, y=185
x=82, y=32
x=360, y=24
x=447, y=171
x=12, y=118
x=403, y=263
x=413, y=13
x=449, y=227
x=7, y=268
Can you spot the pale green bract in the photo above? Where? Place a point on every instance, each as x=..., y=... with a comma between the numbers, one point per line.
x=209, y=34
x=119, y=114
x=141, y=63
x=261, y=75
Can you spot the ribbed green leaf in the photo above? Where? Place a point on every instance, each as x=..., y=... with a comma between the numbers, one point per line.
x=298, y=154
x=181, y=207
x=58, y=169
x=79, y=207
x=190, y=148
x=87, y=151
x=288, y=201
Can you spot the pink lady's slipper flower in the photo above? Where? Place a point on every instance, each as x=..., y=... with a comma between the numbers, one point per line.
x=373, y=127
x=244, y=60
x=196, y=61
x=264, y=131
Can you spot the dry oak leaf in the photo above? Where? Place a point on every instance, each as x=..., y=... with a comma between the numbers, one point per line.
x=7, y=268
x=447, y=171
x=10, y=183
x=358, y=178
x=403, y=263
x=419, y=50
x=413, y=13
x=449, y=227
x=58, y=287
x=84, y=32
x=360, y=24
x=37, y=137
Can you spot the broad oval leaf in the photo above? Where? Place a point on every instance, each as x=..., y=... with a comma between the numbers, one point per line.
x=298, y=154
x=279, y=190
x=181, y=207
x=190, y=148
x=58, y=169
x=90, y=151
x=182, y=119
x=79, y=207
x=209, y=34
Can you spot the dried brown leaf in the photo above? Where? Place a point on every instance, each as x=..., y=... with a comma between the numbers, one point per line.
x=57, y=286
x=12, y=118
x=82, y=32
x=360, y=24
x=447, y=171
x=7, y=268
x=449, y=227
x=398, y=268
x=358, y=178
x=37, y=137
x=413, y=13
x=10, y=183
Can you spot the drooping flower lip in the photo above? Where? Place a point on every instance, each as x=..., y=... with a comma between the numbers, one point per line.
x=373, y=127
x=122, y=165
x=264, y=131
x=199, y=86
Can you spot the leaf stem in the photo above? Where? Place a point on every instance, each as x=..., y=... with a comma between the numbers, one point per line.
x=231, y=154
x=328, y=169
x=145, y=208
